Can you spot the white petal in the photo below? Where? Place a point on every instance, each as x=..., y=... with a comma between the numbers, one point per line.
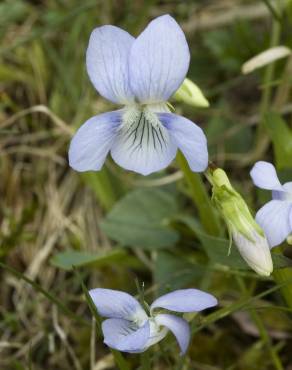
x=107, y=63
x=290, y=220
x=190, y=139
x=143, y=144
x=256, y=253
x=159, y=60
x=288, y=189
x=125, y=336
x=93, y=140
x=284, y=194
x=116, y=304
x=264, y=176
x=273, y=217
x=179, y=327
x=185, y=300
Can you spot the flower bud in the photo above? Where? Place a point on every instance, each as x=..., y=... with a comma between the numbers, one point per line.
x=191, y=94
x=245, y=232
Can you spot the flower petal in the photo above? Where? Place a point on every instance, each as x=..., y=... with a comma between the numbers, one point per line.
x=159, y=60
x=284, y=194
x=92, y=142
x=255, y=251
x=157, y=333
x=185, y=300
x=264, y=176
x=116, y=304
x=288, y=187
x=273, y=217
x=143, y=144
x=125, y=336
x=179, y=327
x=190, y=139
x=107, y=63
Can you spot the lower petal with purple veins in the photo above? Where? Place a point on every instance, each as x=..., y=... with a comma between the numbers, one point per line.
x=125, y=336
x=143, y=144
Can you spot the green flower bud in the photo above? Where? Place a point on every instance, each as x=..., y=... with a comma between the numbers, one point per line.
x=191, y=94
x=243, y=229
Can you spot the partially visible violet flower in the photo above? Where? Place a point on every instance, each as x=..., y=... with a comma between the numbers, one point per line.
x=129, y=328
x=140, y=74
x=275, y=217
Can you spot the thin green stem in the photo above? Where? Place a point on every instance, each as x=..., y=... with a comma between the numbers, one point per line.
x=262, y=140
x=281, y=276
x=102, y=183
x=200, y=197
x=120, y=360
x=221, y=313
x=145, y=361
x=267, y=91
x=260, y=325
x=273, y=11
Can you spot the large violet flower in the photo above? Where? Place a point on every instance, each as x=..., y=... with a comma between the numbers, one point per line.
x=275, y=217
x=128, y=327
x=140, y=74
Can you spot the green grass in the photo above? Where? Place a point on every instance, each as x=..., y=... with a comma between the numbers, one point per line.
x=47, y=210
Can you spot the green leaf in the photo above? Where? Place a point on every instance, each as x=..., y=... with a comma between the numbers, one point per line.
x=281, y=261
x=175, y=271
x=140, y=219
x=216, y=133
x=281, y=136
x=217, y=249
x=66, y=260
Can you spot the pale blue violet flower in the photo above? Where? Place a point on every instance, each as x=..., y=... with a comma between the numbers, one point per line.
x=140, y=74
x=275, y=217
x=129, y=328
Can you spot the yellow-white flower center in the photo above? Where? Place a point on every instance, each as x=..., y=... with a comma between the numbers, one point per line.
x=141, y=129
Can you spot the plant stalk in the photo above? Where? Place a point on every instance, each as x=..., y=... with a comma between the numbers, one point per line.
x=200, y=197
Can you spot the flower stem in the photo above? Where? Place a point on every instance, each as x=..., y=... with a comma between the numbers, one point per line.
x=200, y=197
x=102, y=184
x=145, y=361
x=260, y=326
x=266, y=339
x=281, y=276
x=268, y=77
x=120, y=360
x=262, y=140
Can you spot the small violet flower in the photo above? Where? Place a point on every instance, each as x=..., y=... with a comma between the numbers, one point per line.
x=140, y=74
x=275, y=217
x=128, y=327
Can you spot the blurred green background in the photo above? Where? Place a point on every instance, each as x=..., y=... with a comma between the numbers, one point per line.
x=120, y=229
